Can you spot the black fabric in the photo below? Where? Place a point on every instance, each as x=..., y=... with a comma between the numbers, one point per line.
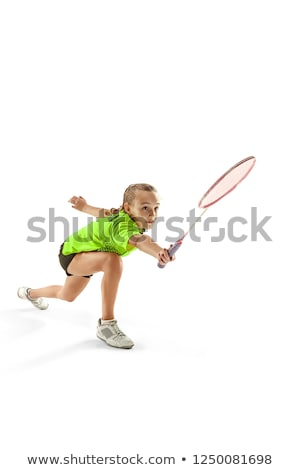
x=65, y=260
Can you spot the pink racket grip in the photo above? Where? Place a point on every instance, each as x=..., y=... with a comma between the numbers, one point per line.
x=171, y=251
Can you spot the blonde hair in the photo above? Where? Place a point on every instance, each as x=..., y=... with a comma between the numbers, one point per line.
x=130, y=193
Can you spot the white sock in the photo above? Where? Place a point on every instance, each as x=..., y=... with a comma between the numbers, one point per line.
x=104, y=322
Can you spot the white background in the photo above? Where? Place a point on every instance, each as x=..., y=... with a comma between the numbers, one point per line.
x=98, y=95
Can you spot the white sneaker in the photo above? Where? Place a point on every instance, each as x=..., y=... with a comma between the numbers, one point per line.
x=40, y=303
x=112, y=335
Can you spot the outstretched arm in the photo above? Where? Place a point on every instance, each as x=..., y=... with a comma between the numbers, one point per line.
x=147, y=245
x=79, y=203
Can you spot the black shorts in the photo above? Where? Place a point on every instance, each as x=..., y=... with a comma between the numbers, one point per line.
x=65, y=260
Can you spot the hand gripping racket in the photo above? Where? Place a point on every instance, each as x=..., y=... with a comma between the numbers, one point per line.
x=224, y=185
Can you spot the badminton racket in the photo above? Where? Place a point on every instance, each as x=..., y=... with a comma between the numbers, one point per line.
x=223, y=186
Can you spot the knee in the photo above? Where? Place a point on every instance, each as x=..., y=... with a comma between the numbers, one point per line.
x=69, y=297
x=114, y=263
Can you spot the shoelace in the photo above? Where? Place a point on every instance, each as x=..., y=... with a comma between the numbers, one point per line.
x=118, y=331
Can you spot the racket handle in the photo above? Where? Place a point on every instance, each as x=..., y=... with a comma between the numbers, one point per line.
x=171, y=251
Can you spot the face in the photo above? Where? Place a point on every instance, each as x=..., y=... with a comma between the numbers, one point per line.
x=143, y=209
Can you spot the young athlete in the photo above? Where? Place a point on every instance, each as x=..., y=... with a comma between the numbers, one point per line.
x=99, y=247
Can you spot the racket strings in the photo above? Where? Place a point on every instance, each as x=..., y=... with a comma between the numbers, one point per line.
x=227, y=182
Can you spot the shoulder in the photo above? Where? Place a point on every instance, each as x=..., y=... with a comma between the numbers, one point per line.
x=123, y=223
x=120, y=217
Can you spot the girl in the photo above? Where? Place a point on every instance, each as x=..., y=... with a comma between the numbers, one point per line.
x=99, y=247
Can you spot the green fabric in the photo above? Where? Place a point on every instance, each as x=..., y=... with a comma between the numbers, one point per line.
x=104, y=234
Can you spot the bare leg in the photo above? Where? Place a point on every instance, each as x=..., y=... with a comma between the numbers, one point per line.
x=84, y=264
x=112, y=266
x=73, y=286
